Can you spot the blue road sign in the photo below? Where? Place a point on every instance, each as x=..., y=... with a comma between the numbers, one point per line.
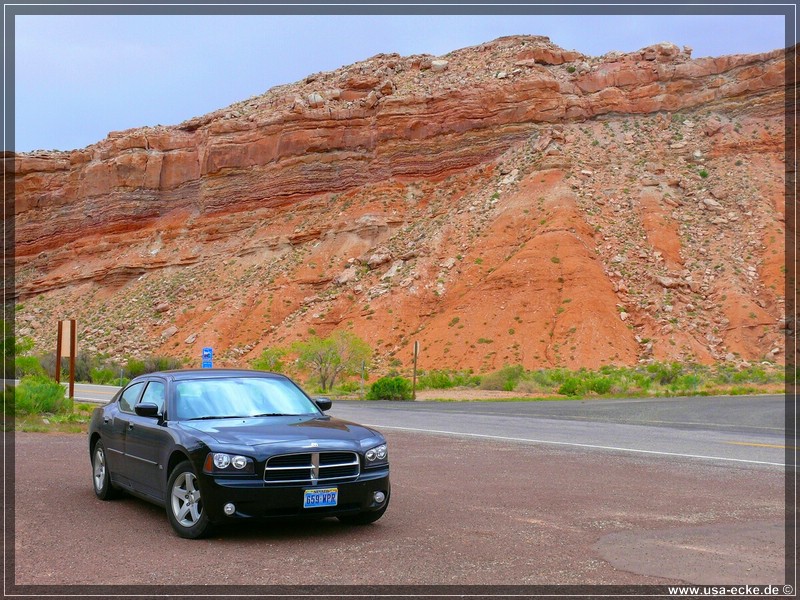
x=208, y=358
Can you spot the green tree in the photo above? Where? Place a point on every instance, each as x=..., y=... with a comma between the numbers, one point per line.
x=340, y=354
x=271, y=359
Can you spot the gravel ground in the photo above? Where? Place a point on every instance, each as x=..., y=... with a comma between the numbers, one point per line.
x=463, y=512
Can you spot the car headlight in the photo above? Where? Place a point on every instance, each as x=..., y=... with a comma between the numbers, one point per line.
x=376, y=455
x=220, y=462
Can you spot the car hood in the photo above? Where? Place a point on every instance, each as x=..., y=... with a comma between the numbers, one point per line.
x=297, y=431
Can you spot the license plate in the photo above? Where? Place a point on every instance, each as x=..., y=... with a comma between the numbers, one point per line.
x=320, y=497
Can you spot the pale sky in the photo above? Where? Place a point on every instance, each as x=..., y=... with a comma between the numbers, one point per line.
x=78, y=77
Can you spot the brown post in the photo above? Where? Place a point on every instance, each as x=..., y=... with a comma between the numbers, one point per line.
x=414, y=384
x=58, y=353
x=67, y=348
x=73, y=342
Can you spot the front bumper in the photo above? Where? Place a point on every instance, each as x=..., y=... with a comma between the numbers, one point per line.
x=255, y=499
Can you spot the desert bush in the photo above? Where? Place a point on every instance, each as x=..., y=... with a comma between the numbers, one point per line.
x=570, y=387
x=27, y=365
x=161, y=363
x=347, y=387
x=104, y=376
x=664, y=373
x=599, y=384
x=441, y=380
x=505, y=379
x=37, y=394
x=134, y=367
x=390, y=388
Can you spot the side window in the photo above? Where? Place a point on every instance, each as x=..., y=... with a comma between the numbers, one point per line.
x=129, y=396
x=154, y=392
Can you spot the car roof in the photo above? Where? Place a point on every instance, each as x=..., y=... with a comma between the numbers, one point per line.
x=180, y=374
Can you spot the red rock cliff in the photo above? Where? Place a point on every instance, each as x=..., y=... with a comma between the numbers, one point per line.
x=508, y=203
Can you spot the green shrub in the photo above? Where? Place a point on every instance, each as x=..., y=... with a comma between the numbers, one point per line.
x=442, y=380
x=390, y=388
x=103, y=376
x=134, y=367
x=505, y=379
x=664, y=374
x=685, y=384
x=161, y=363
x=27, y=365
x=570, y=387
x=348, y=387
x=38, y=394
x=435, y=380
x=599, y=385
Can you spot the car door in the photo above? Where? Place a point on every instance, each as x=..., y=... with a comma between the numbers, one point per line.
x=145, y=441
x=117, y=422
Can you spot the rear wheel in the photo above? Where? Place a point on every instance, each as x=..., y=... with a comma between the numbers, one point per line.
x=184, y=505
x=101, y=478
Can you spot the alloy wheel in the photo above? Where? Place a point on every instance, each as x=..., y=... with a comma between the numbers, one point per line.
x=187, y=505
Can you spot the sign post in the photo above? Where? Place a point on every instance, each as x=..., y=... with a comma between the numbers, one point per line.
x=414, y=384
x=66, y=343
x=208, y=358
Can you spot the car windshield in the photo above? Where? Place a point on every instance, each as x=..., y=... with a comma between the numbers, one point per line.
x=239, y=397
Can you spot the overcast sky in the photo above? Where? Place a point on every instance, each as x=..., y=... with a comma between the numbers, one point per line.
x=79, y=77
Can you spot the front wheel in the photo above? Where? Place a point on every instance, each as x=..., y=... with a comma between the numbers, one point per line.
x=101, y=478
x=365, y=518
x=184, y=505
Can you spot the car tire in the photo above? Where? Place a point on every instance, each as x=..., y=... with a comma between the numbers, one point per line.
x=184, y=504
x=101, y=477
x=366, y=517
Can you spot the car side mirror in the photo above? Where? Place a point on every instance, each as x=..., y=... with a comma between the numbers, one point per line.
x=323, y=403
x=146, y=409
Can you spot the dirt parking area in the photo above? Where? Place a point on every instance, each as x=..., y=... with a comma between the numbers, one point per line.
x=463, y=512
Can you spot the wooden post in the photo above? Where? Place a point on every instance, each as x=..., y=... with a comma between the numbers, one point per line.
x=58, y=352
x=73, y=342
x=414, y=384
x=363, y=367
x=66, y=343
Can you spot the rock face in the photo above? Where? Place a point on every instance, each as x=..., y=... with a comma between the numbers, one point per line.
x=559, y=190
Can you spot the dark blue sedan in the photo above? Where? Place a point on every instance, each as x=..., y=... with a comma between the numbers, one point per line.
x=215, y=446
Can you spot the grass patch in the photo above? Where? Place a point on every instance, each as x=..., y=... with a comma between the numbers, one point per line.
x=652, y=380
x=76, y=421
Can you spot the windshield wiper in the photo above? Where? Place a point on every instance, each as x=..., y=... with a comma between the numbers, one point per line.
x=273, y=415
x=217, y=417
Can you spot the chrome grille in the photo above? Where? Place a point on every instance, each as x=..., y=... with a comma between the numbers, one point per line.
x=312, y=467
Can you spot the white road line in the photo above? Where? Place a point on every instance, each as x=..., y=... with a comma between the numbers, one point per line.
x=596, y=447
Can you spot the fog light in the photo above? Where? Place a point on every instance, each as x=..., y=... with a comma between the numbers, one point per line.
x=229, y=509
x=379, y=497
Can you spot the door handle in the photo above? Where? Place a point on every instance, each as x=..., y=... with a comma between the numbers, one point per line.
x=130, y=426
x=105, y=420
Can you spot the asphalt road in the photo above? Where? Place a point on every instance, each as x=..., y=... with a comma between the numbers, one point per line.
x=464, y=511
x=741, y=430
